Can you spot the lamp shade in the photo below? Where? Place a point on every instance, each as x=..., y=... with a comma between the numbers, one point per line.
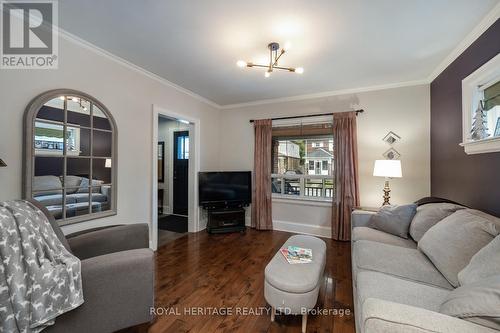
x=387, y=168
x=107, y=164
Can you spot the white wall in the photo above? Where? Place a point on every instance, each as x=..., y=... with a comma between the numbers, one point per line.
x=406, y=111
x=129, y=95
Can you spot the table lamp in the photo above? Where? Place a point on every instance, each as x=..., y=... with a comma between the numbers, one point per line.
x=387, y=169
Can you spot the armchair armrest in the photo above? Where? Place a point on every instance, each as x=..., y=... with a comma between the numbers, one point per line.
x=389, y=317
x=97, y=242
x=361, y=218
x=118, y=289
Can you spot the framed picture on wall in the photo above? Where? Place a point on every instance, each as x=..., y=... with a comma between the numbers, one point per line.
x=161, y=162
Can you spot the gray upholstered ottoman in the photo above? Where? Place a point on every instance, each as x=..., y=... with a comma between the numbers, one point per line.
x=294, y=288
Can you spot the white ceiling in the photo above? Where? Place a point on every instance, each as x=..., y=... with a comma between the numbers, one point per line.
x=341, y=44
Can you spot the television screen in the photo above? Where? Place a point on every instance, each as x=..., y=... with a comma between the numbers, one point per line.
x=233, y=186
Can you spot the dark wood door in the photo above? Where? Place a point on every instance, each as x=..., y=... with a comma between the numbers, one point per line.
x=181, y=172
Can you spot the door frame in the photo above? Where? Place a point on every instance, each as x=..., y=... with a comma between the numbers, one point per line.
x=194, y=168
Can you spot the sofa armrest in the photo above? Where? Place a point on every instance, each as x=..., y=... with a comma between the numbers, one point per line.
x=361, y=218
x=118, y=291
x=106, y=190
x=108, y=240
x=389, y=317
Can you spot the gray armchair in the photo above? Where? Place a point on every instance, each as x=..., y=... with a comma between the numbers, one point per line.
x=117, y=276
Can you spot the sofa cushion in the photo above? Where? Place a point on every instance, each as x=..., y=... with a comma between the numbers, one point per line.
x=394, y=289
x=452, y=242
x=374, y=235
x=483, y=264
x=49, y=200
x=394, y=219
x=478, y=302
x=84, y=197
x=72, y=183
x=44, y=183
x=428, y=215
x=403, y=262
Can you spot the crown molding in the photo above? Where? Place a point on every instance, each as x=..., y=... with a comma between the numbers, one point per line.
x=96, y=49
x=325, y=94
x=483, y=25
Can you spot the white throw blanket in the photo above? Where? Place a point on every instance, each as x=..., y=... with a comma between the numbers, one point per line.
x=39, y=278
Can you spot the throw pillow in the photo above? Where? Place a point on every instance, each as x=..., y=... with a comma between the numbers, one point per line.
x=428, y=215
x=478, y=302
x=451, y=243
x=483, y=264
x=394, y=219
x=84, y=185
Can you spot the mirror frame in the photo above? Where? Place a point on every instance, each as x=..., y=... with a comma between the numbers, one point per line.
x=29, y=150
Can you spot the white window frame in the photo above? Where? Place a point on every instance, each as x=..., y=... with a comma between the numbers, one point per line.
x=472, y=87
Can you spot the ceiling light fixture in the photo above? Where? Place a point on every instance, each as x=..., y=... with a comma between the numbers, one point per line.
x=275, y=54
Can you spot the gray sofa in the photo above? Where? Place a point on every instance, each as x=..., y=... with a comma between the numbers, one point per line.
x=396, y=286
x=117, y=278
x=48, y=191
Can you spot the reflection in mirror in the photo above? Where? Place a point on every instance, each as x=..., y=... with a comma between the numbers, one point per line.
x=53, y=110
x=101, y=171
x=100, y=119
x=101, y=198
x=78, y=111
x=102, y=144
x=77, y=203
x=77, y=141
x=48, y=139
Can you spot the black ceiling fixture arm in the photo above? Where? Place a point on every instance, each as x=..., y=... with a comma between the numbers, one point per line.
x=310, y=115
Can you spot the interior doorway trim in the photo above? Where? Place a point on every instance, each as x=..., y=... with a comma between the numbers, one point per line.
x=194, y=168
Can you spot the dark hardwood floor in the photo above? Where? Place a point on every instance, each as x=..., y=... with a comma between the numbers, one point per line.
x=227, y=271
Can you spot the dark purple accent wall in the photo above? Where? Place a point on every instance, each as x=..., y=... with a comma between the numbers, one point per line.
x=473, y=180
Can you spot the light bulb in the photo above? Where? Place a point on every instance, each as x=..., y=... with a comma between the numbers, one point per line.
x=74, y=99
x=267, y=74
x=299, y=70
x=61, y=98
x=241, y=63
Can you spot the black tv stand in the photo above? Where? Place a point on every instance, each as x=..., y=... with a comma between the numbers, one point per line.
x=226, y=219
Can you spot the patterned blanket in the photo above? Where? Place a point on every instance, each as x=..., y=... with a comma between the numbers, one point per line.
x=39, y=278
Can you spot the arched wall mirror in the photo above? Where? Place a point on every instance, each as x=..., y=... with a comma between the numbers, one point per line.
x=70, y=163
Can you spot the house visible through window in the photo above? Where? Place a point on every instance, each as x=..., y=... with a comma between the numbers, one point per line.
x=302, y=165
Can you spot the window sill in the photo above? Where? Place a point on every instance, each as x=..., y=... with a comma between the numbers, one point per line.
x=302, y=201
x=489, y=145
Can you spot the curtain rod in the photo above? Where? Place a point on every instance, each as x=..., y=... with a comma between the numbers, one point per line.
x=310, y=115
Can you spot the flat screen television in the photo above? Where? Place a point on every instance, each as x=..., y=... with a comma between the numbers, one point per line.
x=229, y=188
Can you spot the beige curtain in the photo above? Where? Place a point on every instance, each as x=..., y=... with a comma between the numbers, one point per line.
x=346, y=174
x=261, y=193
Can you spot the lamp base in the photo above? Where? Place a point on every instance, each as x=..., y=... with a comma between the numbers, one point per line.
x=387, y=192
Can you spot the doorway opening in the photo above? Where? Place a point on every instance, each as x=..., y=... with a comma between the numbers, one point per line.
x=174, y=182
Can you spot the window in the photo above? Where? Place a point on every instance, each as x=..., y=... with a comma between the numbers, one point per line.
x=183, y=147
x=481, y=109
x=70, y=164
x=301, y=163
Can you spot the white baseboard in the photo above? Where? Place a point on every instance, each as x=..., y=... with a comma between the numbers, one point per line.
x=300, y=228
